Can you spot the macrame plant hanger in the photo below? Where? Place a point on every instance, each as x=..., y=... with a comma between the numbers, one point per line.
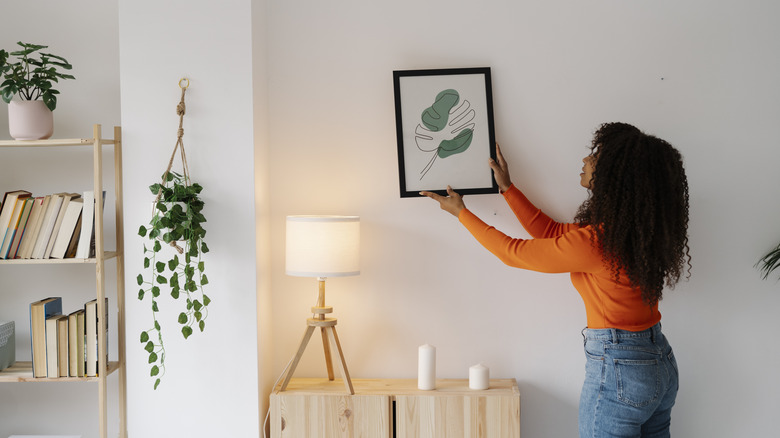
x=184, y=83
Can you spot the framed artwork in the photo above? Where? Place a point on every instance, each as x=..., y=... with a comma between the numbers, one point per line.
x=445, y=132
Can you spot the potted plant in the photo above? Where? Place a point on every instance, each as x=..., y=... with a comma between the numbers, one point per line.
x=31, y=75
x=172, y=260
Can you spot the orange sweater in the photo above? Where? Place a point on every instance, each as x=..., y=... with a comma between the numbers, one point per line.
x=566, y=247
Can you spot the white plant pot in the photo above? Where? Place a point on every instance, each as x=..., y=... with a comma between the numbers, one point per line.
x=30, y=120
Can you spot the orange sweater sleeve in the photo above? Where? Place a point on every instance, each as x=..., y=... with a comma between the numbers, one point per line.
x=570, y=251
x=535, y=222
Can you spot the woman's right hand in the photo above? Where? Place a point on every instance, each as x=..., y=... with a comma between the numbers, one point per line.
x=500, y=171
x=452, y=203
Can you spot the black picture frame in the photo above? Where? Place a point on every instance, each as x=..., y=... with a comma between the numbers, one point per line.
x=445, y=130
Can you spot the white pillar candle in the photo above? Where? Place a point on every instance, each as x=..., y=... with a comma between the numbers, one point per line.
x=479, y=377
x=426, y=367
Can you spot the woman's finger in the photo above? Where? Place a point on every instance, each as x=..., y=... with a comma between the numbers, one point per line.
x=493, y=165
x=500, y=157
x=452, y=193
x=434, y=196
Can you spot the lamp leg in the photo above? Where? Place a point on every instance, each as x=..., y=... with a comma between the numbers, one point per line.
x=326, y=348
x=298, y=355
x=342, y=361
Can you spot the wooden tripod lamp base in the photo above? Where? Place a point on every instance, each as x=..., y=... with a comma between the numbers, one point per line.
x=328, y=329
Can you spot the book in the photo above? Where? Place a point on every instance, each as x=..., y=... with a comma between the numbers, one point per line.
x=39, y=311
x=76, y=343
x=90, y=342
x=62, y=346
x=11, y=228
x=86, y=248
x=66, y=199
x=21, y=228
x=74, y=240
x=91, y=324
x=21, y=223
x=68, y=225
x=13, y=225
x=52, y=346
x=33, y=225
x=7, y=209
x=87, y=225
x=50, y=216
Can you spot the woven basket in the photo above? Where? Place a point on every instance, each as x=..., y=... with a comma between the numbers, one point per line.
x=7, y=344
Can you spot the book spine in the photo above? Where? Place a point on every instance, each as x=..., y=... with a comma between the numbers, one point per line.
x=73, y=339
x=87, y=225
x=47, y=226
x=39, y=312
x=30, y=226
x=90, y=311
x=22, y=229
x=80, y=352
x=13, y=226
x=52, y=368
x=62, y=346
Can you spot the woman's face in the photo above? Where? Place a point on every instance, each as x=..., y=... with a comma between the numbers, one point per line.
x=586, y=177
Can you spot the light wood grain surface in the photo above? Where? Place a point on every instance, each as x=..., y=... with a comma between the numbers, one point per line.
x=317, y=407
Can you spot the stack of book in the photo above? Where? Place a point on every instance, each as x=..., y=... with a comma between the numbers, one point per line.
x=58, y=226
x=65, y=345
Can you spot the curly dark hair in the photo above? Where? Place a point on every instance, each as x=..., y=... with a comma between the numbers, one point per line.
x=638, y=207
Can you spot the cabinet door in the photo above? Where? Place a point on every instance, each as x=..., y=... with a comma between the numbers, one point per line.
x=452, y=416
x=329, y=416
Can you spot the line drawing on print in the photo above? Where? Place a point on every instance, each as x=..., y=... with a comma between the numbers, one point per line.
x=446, y=127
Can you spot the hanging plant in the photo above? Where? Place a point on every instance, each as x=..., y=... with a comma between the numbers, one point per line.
x=173, y=255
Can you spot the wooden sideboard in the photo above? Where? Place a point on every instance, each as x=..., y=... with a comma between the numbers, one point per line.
x=386, y=408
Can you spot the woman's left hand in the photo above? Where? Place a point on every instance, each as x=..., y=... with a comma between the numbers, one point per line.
x=452, y=203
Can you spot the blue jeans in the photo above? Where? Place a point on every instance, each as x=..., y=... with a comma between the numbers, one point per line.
x=631, y=383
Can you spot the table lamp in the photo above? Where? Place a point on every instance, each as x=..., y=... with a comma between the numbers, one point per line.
x=322, y=246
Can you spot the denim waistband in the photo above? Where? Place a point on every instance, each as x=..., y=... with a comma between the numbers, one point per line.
x=615, y=335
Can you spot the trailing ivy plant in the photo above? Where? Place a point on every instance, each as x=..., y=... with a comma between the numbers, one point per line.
x=172, y=261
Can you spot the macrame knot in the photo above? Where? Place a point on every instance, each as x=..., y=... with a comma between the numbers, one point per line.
x=181, y=133
x=180, y=109
x=175, y=246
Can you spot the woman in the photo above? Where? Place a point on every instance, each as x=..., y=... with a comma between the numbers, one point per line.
x=629, y=239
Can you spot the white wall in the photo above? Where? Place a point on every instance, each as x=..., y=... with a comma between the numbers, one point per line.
x=211, y=384
x=699, y=74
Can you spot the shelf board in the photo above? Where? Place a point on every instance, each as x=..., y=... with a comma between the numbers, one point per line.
x=52, y=142
x=22, y=372
x=106, y=255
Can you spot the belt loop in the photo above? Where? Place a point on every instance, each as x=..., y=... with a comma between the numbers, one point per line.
x=614, y=335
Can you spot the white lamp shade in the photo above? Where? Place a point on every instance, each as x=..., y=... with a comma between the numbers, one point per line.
x=323, y=246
